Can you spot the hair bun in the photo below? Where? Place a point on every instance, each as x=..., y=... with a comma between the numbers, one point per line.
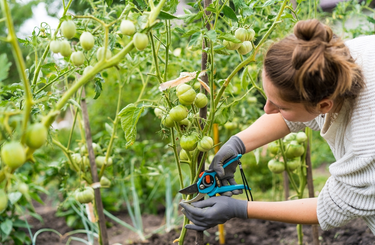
x=312, y=30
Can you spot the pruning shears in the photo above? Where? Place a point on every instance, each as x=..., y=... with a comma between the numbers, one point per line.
x=209, y=183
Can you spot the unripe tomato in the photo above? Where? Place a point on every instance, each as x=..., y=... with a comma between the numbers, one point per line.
x=85, y=162
x=100, y=53
x=100, y=160
x=205, y=144
x=290, y=137
x=230, y=125
x=245, y=47
x=159, y=112
x=3, y=200
x=252, y=99
x=301, y=137
x=182, y=88
x=185, y=122
x=178, y=113
x=273, y=148
x=293, y=164
x=183, y=155
x=77, y=58
x=250, y=35
x=36, y=135
x=201, y=100
x=276, y=166
x=68, y=29
x=188, y=97
x=127, y=27
x=87, y=40
x=23, y=188
x=104, y=182
x=85, y=195
x=65, y=49
x=140, y=41
x=294, y=150
x=230, y=45
x=241, y=34
x=87, y=69
x=197, y=85
x=97, y=149
x=189, y=142
x=168, y=121
x=13, y=154
x=55, y=46
x=77, y=159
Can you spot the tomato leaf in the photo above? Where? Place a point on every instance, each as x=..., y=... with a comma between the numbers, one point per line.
x=129, y=119
x=239, y=4
x=109, y=2
x=14, y=197
x=6, y=226
x=4, y=67
x=166, y=16
x=228, y=12
x=98, y=89
x=229, y=37
x=211, y=34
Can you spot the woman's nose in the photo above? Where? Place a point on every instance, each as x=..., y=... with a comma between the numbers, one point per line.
x=270, y=108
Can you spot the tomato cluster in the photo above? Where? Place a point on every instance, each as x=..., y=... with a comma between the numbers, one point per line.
x=294, y=149
x=246, y=36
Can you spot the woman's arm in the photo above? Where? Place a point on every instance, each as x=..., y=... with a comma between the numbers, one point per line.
x=302, y=211
x=266, y=129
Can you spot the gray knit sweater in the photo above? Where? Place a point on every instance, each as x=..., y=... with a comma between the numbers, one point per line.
x=350, y=191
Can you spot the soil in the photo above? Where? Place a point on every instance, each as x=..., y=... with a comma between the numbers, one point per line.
x=237, y=232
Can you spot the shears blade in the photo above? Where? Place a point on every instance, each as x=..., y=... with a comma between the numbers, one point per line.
x=197, y=198
x=191, y=189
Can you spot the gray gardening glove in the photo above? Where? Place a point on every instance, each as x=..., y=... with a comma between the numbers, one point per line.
x=230, y=149
x=213, y=211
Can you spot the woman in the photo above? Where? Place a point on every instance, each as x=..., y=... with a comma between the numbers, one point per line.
x=311, y=79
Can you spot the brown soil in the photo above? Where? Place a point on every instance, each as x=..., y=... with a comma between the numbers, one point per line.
x=237, y=232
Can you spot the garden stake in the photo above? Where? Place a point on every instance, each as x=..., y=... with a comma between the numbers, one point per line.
x=103, y=236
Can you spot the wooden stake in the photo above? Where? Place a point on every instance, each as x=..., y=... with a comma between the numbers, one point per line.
x=103, y=236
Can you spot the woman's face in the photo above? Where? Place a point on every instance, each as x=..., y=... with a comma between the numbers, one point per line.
x=294, y=112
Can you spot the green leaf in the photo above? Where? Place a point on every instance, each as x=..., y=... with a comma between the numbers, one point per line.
x=98, y=89
x=37, y=216
x=228, y=12
x=14, y=197
x=244, y=81
x=246, y=11
x=6, y=226
x=74, y=103
x=108, y=128
x=109, y=2
x=4, y=67
x=239, y=4
x=195, y=41
x=141, y=3
x=166, y=16
x=369, y=18
x=129, y=119
x=211, y=34
x=268, y=3
x=229, y=37
x=220, y=49
x=191, y=32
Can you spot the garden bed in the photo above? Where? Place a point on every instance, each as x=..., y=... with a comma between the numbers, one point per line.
x=237, y=232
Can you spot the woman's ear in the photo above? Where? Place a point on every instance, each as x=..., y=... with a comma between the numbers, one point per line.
x=325, y=105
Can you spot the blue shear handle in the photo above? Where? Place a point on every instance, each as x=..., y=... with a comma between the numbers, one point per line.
x=227, y=188
x=232, y=160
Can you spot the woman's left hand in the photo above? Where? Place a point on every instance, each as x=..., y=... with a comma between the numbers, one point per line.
x=213, y=211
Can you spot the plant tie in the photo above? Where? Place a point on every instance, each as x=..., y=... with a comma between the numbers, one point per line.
x=246, y=184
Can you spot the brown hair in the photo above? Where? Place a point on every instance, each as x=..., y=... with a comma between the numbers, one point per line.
x=313, y=64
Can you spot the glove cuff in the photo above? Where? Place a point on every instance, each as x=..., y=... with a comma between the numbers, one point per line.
x=237, y=142
x=241, y=211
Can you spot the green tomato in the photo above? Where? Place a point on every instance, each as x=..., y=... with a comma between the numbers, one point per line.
x=55, y=46
x=273, y=148
x=188, y=97
x=230, y=125
x=276, y=166
x=241, y=33
x=182, y=88
x=197, y=85
x=77, y=159
x=140, y=41
x=290, y=137
x=245, y=48
x=159, y=111
x=65, y=49
x=230, y=45
x=201, y=100
x=36, y=135
x=87, y=69
x=85, y=195
x=23, y=188
x=252, y=99
x=178, y=113
x=205, y=144
x=184, y=155
x=13, y=154
x=3, y=200
x=100, y=160
x=189, y=142
x=87, y=40
x=127, y=27
x=293, y=164
x=294, y=150
x=301, y=137
x=97, y=149
x=104, y=182
x=168, y=121
x=250, y=35
x=185, y=122
x=100, y=54
x=68, y=29
x=77, y=58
